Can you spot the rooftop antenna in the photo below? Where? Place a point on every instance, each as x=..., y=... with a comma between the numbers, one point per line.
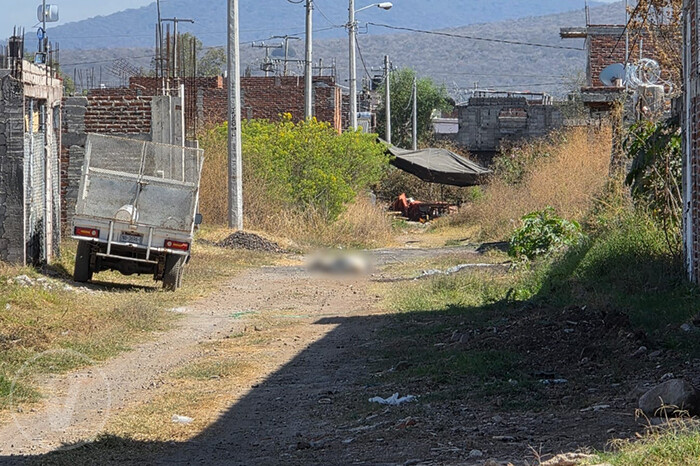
x=613, y=74
x=45, y=14
x=588, y=13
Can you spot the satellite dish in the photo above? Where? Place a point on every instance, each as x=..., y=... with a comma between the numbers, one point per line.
x=612, y=73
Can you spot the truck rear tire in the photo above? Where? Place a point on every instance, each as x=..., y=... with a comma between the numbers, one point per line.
x=172, y=275
x=82, y=272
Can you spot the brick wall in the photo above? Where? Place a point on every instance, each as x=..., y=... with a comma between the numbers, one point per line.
x=606, y=46
x=118, y=111
x=263, y=97
x=122, y=112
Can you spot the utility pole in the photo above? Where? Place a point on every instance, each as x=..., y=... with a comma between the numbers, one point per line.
x=308, y=63
x=352, y=27
x=267, y=66
x=235, y=166
x=387, y=97
x=415, y=113
x=286, y=49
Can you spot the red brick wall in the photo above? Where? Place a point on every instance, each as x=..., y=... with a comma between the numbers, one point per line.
x=608, y=47
x=118, y=111
x=263, y=98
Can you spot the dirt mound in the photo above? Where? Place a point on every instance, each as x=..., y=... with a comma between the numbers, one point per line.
x=249, y=241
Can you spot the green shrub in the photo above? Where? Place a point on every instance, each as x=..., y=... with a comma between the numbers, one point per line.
x=296, y=166
x=543, y=232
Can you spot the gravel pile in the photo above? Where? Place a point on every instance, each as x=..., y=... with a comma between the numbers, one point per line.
x=250, y=241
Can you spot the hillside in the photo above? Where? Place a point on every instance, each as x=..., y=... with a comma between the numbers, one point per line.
x=262, y=19
x=456, y=63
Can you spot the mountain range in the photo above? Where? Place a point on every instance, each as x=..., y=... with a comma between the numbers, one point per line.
x=457, y=63
x=262, y=19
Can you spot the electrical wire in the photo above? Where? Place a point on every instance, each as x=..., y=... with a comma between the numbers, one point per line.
x=362, y=59
x=484, y=39
x=326, y=17
x=624, y=31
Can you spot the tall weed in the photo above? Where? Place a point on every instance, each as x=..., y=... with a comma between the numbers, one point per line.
x=567, y=171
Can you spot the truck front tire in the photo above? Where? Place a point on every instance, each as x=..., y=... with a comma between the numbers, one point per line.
x=82, y=272
x=172, y=275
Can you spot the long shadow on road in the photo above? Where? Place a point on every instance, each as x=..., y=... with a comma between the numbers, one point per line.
x=480, y=396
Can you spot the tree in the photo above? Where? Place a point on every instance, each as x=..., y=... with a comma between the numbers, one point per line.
x=661, y=22
x=430, y=98
x=212, y=62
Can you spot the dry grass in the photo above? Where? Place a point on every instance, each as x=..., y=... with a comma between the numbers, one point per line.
x=568, y=180
x=361, y=225
x=102, y=319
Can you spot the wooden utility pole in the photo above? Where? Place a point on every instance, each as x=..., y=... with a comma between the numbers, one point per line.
x=235, y=165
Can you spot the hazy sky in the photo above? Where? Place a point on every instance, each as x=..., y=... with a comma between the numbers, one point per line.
x=23, y=12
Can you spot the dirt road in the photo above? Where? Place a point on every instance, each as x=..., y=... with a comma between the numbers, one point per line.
x=320, y=347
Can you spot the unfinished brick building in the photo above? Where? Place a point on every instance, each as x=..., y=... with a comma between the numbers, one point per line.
x=30, y=99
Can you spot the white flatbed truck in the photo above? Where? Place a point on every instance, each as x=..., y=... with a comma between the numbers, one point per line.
x=136, y=211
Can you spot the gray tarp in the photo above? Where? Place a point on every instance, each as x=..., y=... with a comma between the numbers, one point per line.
x=439, y=166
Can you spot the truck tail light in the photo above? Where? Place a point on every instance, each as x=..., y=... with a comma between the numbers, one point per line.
x=180, y=245
x=89, y=232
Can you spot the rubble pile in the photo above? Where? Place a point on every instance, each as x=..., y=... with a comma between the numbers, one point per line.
x=249, y=241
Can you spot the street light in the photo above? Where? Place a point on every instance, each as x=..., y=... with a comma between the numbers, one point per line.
x=352, y=33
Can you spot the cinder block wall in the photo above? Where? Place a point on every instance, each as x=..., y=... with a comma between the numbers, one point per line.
x=11, y=170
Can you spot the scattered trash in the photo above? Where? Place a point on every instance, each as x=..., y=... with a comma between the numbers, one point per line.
x=393, y=400
x=455, y=269
x=553, y=381
x=419, y=211
x=595, y=408
x=181, y=419
x=475, y=454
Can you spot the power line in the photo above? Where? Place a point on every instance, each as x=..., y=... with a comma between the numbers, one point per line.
x=629, y=21
x=362, y=59
x=484, y=39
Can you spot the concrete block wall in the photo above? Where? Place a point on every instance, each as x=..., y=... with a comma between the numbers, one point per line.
x=485, y=122
x=29, y=165
x=11, y=170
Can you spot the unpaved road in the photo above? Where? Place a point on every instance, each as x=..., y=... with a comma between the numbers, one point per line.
x=334, y=348
x=320, y=362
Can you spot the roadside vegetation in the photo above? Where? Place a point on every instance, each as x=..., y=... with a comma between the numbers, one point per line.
x=303, y=181
x=48, y=312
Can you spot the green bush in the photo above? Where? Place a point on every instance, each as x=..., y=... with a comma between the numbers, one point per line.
x=308, y=165
x=543, y=232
